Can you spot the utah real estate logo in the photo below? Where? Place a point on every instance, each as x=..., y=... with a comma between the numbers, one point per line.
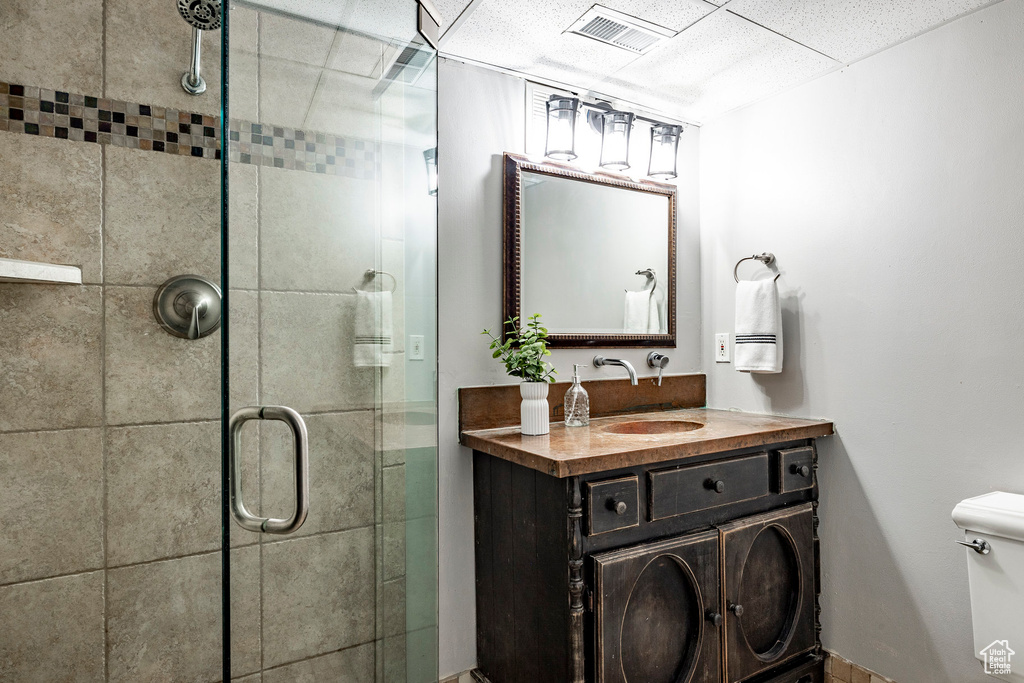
x=997, y=658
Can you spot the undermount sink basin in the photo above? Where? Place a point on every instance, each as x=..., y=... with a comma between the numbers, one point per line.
x=653, y=427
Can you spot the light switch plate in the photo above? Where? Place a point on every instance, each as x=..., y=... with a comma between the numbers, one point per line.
x=722, y=348
x=415, y=347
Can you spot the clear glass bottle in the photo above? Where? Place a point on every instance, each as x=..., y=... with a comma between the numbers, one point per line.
x=577, y=402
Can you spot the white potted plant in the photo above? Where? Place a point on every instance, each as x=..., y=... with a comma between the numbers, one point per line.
x=523, y=353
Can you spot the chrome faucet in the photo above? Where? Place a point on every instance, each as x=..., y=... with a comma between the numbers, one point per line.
x=601, y=361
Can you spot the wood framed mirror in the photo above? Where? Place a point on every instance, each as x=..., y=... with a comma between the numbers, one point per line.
x=594, y=254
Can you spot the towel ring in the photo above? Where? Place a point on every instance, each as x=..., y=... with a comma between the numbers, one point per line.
x=651, y=275
x=371, y=273
x=766, y=258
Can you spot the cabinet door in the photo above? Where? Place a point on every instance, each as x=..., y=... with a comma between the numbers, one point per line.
x=657, y=612
x=769, y=590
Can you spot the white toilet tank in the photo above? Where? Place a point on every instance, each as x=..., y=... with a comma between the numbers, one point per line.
x=994, y=524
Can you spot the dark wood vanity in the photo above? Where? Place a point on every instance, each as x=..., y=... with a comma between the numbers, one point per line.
x=623, y=553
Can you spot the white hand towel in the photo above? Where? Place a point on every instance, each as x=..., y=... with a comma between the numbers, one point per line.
x=656, y=324
x=758, y=327
x=654, y=317
x=373, y=343
x=638, y=312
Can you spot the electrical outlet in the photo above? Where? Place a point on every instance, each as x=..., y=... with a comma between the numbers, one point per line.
x=415, y=347
x=722, y=347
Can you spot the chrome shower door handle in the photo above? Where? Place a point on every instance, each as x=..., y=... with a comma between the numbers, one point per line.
x=300, y=440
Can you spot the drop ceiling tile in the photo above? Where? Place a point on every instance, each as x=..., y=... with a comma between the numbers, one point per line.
x=720, y=63
x=529, y=36
x=450, y=11
x=294, y=40
x=850, y=29
x=356, y=54
x=384, y=18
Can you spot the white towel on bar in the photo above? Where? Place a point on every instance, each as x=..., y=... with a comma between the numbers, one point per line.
x=654, y=316
x=758, y=327
x=373, y=344
x=638, y=312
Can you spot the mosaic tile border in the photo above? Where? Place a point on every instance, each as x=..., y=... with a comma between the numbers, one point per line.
x=301, y=150
x=83, y=118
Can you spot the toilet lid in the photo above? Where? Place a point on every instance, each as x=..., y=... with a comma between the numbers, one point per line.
x=997, y=513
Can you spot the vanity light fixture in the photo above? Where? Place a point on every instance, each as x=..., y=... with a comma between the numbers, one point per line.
x=561, y=140
x=430, y=158
x=615, y=129
x=664, y=150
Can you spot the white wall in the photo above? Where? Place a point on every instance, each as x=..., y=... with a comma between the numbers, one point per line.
x=891, y=192
x=481, y=115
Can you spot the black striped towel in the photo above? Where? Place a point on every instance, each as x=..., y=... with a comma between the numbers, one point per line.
x=758, y=327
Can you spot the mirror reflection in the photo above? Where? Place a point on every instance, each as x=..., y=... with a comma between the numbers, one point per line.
x=594, y=257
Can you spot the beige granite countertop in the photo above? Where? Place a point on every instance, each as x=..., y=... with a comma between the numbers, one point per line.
x=571, y=451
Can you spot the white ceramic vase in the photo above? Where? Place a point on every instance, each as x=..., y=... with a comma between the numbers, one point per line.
x=533, y=411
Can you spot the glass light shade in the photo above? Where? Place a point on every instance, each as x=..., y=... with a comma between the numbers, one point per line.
x=615, y=130
x=430, y=157
x=664, y=150
x=561, y=141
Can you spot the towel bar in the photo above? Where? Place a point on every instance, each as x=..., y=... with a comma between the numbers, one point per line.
x=766, y=258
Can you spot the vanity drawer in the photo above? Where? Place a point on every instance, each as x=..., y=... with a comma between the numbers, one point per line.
x=796, y=469
x=680, y=490
x=612, y=504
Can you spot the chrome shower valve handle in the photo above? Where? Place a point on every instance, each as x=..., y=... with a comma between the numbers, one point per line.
x=188, y=306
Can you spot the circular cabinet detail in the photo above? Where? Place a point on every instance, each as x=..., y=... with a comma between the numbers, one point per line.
x=770, y=593
x=664, y=613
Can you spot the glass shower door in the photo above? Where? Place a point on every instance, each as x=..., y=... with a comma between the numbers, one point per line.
x=330, y=543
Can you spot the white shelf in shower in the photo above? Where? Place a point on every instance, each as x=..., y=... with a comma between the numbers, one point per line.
x=13, y=270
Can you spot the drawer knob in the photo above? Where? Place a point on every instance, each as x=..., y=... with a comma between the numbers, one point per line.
x=802, y=470
x=736, y=609
x=618, y=506
x=714, y=617
x=716, y=485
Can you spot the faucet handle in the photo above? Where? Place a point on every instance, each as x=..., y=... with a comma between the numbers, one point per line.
x=657, y=360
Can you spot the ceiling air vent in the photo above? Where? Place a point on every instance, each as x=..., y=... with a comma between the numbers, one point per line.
x=620, y=30
x=409, y=64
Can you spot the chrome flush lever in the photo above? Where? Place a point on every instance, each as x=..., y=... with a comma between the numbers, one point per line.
x=978, y=545
x=659, y=361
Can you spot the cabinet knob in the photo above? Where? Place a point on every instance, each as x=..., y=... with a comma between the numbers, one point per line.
x=802, y=470
x=619, y=507
x=714, y=617
x=716, y=485
x=736, y=609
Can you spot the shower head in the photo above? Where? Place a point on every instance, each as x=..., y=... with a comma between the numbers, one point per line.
x=201, y=14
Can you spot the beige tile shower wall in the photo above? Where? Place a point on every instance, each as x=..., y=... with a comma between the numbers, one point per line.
x=109, y=431
x=108, y=421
